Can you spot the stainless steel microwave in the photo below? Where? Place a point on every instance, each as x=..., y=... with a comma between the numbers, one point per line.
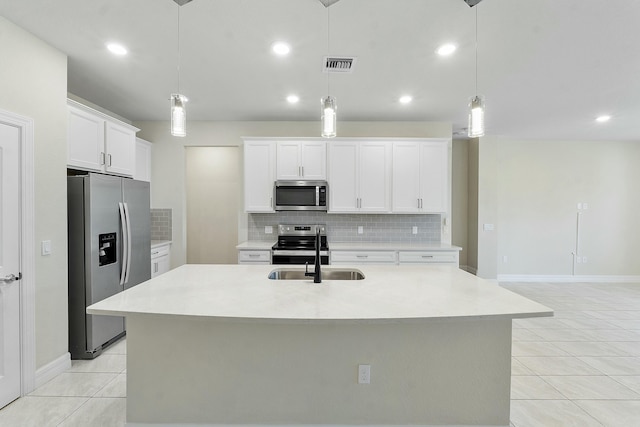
x=300, y=195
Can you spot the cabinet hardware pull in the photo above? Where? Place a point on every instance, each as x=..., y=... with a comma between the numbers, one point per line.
x=302, y=167
x=102, y=160
x=109, y=160
x=362, y=256
x=427, y=256
x=253, y=255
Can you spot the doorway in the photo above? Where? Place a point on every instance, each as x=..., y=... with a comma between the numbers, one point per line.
x=17, y=263
x=213, y=190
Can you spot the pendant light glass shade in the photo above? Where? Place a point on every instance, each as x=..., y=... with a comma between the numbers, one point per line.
x=476, y=117
x=178, y=115
x=328, y=109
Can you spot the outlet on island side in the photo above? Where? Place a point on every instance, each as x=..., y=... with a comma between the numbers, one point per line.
x=360, y=229
x=364, y=374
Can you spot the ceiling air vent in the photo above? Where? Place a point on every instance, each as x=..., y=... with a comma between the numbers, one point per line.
x=338, y=64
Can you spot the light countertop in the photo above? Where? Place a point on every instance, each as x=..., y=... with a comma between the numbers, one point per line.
x=356, y=246
x=256, y=244
x=156, y=243
x=388, y=293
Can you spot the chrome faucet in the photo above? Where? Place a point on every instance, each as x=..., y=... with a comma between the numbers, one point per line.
x=317, y=275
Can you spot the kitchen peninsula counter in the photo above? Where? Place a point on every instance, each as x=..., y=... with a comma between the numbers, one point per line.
x=223, y=344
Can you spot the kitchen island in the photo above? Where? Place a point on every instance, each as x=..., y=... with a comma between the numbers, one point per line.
x=223, y=345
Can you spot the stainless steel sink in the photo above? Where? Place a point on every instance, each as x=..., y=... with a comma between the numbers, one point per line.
x=327, y=274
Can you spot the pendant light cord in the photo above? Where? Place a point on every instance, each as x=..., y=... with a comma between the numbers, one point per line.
x=476, y=51
x=179, y=56
x=328, y=50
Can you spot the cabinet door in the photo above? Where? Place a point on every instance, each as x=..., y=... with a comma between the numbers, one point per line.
x=259, y=174
x=406, y=177
x=343, y=177
x=314, y=160
x=85, y=141
x=142, y=171
x=288, y=160
x=120, y=146
x=434, y=176
x=374, y=176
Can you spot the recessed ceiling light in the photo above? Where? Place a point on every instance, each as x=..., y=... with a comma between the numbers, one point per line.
x=602, y=119
x=117, y=49
x=293, y=99
x=405, y=99
x=446, y=49
x=281, y=48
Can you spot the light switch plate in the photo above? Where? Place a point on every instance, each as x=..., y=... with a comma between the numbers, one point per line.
x=46, y=247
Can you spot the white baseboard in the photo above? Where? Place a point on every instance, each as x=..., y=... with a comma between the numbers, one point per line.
x=52, y=369
x=294, y=425
x=469, y=269
x=567, y=278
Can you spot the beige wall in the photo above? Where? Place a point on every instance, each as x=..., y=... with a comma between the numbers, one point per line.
x=540, y=183
x=460, y=197
x=530, y=191
x=214, y=196
x=33, y=83
x=168, y=156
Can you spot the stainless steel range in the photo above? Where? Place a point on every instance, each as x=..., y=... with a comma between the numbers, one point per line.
x=296, y=245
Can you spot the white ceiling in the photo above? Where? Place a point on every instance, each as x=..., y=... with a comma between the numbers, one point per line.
x=546, y=67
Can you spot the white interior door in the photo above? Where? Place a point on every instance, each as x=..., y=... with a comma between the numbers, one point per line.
x=9, y=264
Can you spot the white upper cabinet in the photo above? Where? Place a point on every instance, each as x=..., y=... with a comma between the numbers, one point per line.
x=99, y=143
x=259, y=175
x=359, y=176
x=421, y=176
x=301, y=160
x=142, y=170
x=85, y=140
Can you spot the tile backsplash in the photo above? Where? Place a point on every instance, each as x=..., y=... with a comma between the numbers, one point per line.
x=344, y=227
x=161, y=224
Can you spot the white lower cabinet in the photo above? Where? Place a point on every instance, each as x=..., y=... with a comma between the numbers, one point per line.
x=247, y=256
x=428, y=257
x=160, y=259
x=362, y=257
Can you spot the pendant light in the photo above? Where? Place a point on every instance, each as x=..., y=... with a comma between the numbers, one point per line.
x=328, y=105
x=476, y=104
x=178, y=101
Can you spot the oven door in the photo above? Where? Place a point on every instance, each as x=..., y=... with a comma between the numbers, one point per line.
x=298, y=257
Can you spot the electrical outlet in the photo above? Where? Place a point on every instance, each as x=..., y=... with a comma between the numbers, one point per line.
x=360, y=229
x=579, y=260
x=364, y=374
x=268, y=229
x=505, y=259
x=414, y=230
x=584, y=259
x=585, y=206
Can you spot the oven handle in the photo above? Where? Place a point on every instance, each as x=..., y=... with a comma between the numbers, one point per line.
x=298, y=253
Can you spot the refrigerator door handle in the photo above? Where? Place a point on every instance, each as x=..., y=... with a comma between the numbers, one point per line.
x=125, y=243
x=128, y=218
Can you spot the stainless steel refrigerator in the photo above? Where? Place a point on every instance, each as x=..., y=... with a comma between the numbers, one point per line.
x=109, y=227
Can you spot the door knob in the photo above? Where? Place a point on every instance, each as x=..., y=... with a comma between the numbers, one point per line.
x=10, y=278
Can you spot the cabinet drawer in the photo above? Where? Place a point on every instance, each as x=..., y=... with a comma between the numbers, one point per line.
x=439, y=257
x=372, y=257
x=254, y=256
x=160, y=251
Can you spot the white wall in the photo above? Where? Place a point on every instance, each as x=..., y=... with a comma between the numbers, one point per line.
x=33, y=83
x=168, y=156
x=531, y=190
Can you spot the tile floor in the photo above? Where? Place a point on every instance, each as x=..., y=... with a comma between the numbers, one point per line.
x=580, y=368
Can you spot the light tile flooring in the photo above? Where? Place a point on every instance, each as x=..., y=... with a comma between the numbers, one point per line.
x=580, y=368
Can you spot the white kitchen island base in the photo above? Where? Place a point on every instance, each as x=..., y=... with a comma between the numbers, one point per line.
x=208, y=371
x=224, y=345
